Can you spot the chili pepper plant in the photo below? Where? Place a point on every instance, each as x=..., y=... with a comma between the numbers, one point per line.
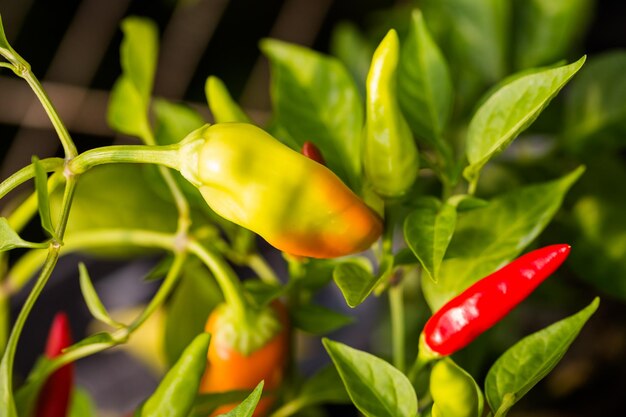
x=374, y=179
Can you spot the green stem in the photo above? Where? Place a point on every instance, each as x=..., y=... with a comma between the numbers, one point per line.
x=164, y=291
x=396, y=306
x=227, y=280
x=28, y=172
x=423, y=359
x=7, y=404
x=139, y=154
x=25, y=211
x=64, y=136
x=260, y=267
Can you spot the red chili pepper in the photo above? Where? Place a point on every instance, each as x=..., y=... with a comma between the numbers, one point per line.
x=312, y=152
x=54, y=398
x=479, y=307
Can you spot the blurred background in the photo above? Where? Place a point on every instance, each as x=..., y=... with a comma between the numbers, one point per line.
x=73, y=47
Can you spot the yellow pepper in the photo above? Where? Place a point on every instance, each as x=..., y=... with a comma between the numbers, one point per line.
x=296, y=204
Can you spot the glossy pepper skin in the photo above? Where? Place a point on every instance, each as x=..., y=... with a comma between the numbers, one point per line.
x=298, y=205
x=228, y=369
x=312, y=152
x=390, y=154
x=479, y=307
x=54, y=398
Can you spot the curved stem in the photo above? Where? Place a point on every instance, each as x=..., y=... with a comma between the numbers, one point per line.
x=225, y=276
x=64, y=136
x=28, y=172
x=140, y=154
x=263, y=270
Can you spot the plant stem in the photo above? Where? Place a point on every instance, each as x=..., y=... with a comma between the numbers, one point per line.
x=396, y=306
x=25, y=211
x=263, y=270
x=420, y=363
x=28, y=172
x=225, y=276
x=139, y=154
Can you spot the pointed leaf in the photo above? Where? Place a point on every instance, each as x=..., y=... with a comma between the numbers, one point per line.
x=9, y=239
x=95, y=306
x=487, y=238
x=5, y=47
x=354, y=281
x=43, y=199
x=127, y=113
x=376, y=388
x=315, y=99
x=428, y=231
x=222, y=105
x=316, y=319
x=247, y=407
x=138, y=54
x=424, y=84
x=526, y=363
x=510, y=110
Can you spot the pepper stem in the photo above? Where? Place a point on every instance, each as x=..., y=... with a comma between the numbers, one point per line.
x=141, y=154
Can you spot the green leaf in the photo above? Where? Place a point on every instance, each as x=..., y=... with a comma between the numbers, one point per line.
x=246, y=408
x=424, y=84
x=9, y=239
x=595, y=110
x=355, y=281
x=189, y=307
x=43, y=199
x=205, y=404
x=4, y=43
x=174, y=121
x=454, y=391
x=319, y=320
x=376, y=388
x=222, y=105
x=428, y=231
x=510, y=110
x=354, y=50
x=138, y=54
x=175, y=395
x=324, y=387
x=262, y=293
x=487, y=238
x=127, y=112
x=546, y=31
x=315, y=99
x=95, y=306
x=522, y=366
x=81, y=404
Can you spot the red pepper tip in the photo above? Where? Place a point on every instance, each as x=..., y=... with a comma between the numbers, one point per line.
x=311, y=151
x=60, y=335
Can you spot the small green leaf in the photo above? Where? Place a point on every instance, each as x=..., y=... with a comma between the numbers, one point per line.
x=355, y=282
x=206, y=403
x=428, y=231
x=247, y=407
x=424, y=84
x=4, y=43
x=510, y=110
x=127, y=113
x=324, y=387
x=95, y=306
x=546, y=31
x=466, y=202
x=138, y=54
x=81, y=404
x=526, y=363
x=376, y=388
x=222, y=105
x=487, y=238
x=174, y=121
x=175, y=395
x=263, y=293
x=319, y=320
x=9, y=239
x=43, y=199
x=315, y=99
x=595, y=109
x=454, y=391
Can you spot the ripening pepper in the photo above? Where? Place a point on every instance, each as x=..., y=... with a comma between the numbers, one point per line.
x=298, y=205
x=54, y=398
x=229, y=369
x=390, y=154
x=454, y=391
x=483, y=304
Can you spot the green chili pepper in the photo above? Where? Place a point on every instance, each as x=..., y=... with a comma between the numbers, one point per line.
x=175, y=394
x=296, y=204
x=454, y=391
x=391, y=159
